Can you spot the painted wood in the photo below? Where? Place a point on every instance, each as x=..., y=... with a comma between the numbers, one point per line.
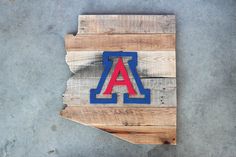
x=124, y=116
x=118, y=42
x=121, y=24
x=150, y=63
x=153, y=37
x=163, y=90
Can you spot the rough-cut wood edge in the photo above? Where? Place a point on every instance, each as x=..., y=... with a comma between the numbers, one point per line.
x=113, y=24
x=135, y=133
x=138, y=137
x=121, y=116
x=118, y=42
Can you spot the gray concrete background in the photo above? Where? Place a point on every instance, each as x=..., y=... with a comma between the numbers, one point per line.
x=34, y=74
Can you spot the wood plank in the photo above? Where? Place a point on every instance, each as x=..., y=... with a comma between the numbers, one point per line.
x=163, y=90
x=124, y=116
x=118, y=42
x=143, y=134
x=150, y=63
x=135, y=129
x=109, y=24
x=153, y=37
x=155, y=138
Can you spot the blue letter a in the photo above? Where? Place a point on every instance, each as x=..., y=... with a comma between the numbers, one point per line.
x=107, y=63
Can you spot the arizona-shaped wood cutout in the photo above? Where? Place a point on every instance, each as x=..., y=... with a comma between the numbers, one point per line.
x=124, y=76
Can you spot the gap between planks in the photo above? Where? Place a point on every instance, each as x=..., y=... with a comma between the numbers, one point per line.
x=133, y=24
x=136, y=134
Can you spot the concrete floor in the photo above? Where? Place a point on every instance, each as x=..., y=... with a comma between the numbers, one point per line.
x=34, y=74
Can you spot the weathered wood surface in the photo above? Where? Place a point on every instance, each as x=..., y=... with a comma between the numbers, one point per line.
x=163, y=137
x=111, y=24
x=143, y=134
x=163, y=90
x=150, y=63
x=153, y=37
x=124, y=116
x=135, y=129
x=119, y=42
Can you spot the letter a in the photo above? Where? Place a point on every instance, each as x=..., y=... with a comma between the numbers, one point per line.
x=120, y=70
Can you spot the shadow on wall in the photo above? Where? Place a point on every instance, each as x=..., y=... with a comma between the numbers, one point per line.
x=163, y=151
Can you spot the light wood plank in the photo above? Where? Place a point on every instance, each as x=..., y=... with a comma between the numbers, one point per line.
x=163, y=91
x=117, y=42
x=125, y=116
x=109, y=24
x=150, y=63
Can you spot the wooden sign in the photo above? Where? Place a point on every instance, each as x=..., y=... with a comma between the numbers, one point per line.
x=124, y=76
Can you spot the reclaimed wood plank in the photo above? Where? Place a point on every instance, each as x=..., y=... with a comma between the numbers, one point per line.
x=109, y=24
x=154, y=138
x=143, y=134
x=139, y=124
x=118, y=42
x=163, y=90
x=150, y=63
x=135, y=129
x=124, y=116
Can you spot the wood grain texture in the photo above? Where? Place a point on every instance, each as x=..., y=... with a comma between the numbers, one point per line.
x=143, y=134
x=118, y=42
x=153, y=37
x=123, y=116
x=163, y=137
x=150, y=63
x=112, y=24
x=135, y=129
x=163, y=90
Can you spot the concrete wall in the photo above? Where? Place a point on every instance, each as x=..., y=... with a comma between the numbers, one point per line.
x=33, y=76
